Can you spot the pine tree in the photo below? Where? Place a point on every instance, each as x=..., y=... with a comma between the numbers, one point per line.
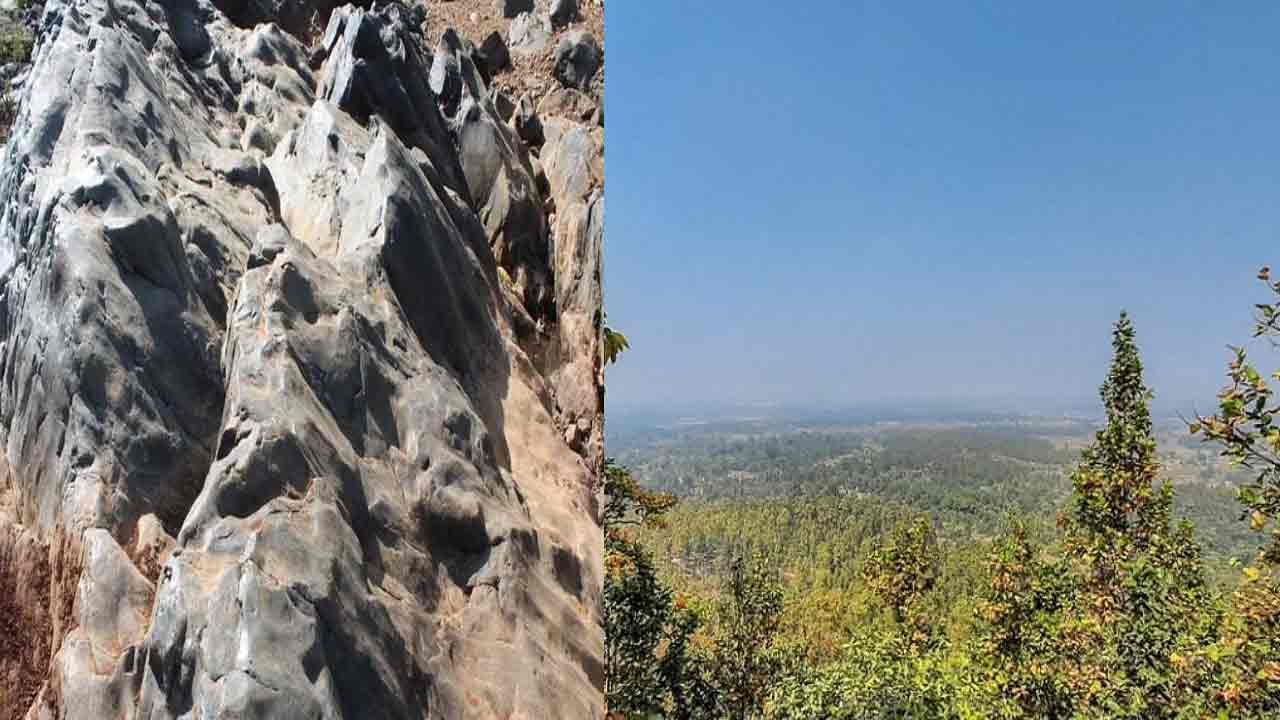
x=1116, y=499
x=1140, y=590
x=1099, y=631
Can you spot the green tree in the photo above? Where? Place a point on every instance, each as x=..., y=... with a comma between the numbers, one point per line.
x=902, y=572
x=1116, y=504
x=1018, y=641
x=745, y=661
x=1099, y=631
x=1140, y=590
x=1246, y=425
x=650, y=668
x=880, y=676
x=1238, y=676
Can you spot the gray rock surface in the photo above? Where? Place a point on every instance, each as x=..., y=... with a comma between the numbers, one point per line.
x=569, y=103
x=577, y=59
x=300, y=385
x=527, y=124
x=496, y=55
x=530, y=34
x=572, y=159
x=512, y=8
x=563, y=12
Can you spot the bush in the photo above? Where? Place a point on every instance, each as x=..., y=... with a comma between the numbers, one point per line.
x=16, y=43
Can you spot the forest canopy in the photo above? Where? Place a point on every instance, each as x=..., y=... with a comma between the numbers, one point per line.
x=961, y=571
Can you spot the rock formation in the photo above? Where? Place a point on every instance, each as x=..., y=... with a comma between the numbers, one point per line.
x=300, y=384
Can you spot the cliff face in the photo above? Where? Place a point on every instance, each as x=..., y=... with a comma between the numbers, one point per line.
x=300, y=389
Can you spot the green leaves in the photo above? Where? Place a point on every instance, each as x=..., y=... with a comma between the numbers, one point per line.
x=902, y=572
x=627, y=503
x=650, y=667
x=1095, y=634
x=1246, y=424
x=1114, y=480
x=615, y=343
x=745, y=662
x=880, y=675
x=1111, y=620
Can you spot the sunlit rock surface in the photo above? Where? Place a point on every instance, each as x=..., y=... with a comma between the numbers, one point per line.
x=300, y=389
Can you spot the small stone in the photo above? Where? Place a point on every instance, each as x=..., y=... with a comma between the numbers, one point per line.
x=257, y=137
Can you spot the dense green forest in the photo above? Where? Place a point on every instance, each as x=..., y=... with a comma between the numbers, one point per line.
x=966, y=476
x=1010, y=568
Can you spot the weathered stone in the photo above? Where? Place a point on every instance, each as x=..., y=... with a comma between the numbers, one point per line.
x=530, y=34
x=577, y=60
x=494, y=53
x=563, y=12
x=527, y=124
x=568, y=103
x=374, y=68
x=512, y=8
x=502, y=103
x=571, y=159
x=499, y=177
x=260, y=374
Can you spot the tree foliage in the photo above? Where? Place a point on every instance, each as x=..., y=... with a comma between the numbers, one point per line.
x=1247, y=428
x=1107, y=615
x=615, y=343
x=745, y=662
x=650, y=666
x=902, y=572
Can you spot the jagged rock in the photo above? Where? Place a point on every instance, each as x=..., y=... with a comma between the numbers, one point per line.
x=527, y=124
x=502, y=103
x=495, y=54
x=571, y=159
x=300, y=18
x=512, y=8
x=530, y=34
x=373, y=68
x=568, y=103
x=446, y=72
x=577, y=60
x=278, y=438
x=501, y=182
x=563, y=12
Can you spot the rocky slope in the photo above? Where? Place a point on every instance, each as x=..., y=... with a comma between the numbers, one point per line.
x=300, y=386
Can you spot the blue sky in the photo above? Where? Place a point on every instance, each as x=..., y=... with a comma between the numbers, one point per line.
x=847, y=203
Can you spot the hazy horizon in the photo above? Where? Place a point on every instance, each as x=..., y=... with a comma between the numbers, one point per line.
x=861, y=204
x=630, y=411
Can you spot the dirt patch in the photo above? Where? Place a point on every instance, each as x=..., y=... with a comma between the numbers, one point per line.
x=37, y=608
x=475, y=19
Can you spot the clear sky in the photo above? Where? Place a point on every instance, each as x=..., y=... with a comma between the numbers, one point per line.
x=844, y=202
